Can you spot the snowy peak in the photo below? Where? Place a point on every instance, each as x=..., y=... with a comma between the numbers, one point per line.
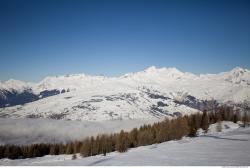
x=16, y=85
x=171, y=70
x=153, y=75
x=240, y=72
x=238, y=76
x=151, y=69
x=152, y=92
x=68, y=82
x=238, y=69
x=150, y=75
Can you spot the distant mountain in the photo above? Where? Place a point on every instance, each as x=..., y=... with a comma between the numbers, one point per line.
x=152, y=93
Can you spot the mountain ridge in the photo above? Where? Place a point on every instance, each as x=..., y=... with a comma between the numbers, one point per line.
x=152, y=93
x=150, y=69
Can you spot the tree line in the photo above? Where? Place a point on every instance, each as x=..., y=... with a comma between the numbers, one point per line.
x=166, y=130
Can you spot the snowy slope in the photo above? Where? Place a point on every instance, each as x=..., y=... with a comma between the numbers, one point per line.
x=69, y=82
x=149, y=94
x=229, y=148
x=105, y=103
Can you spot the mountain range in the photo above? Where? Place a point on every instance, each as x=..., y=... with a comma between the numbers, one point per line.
x=148, y=94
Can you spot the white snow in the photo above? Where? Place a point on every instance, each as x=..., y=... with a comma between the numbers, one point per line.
x=165, y=79
x=230, y=148
x=89, y=96
x=15, y=85
x=226, y=126
x=109, y=102
x=71, y=82
x=105, y=105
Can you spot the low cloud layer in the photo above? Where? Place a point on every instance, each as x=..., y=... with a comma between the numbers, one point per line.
x=27, y=131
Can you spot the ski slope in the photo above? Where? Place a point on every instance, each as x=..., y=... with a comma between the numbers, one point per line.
x=228, y=148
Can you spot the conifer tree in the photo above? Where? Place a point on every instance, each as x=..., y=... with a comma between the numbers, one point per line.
x=182, y=126
x=122, y=142
x=1, y=152
x=204, y=121
x=77, y=146
x=236, y=117
x=106, y=144
x=244, y=119
x=54, y=149
x=86, y=148
x=133, y=138
x=192, y=126
x=69, y=148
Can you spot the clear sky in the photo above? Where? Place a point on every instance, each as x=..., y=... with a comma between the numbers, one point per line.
x=57, y=37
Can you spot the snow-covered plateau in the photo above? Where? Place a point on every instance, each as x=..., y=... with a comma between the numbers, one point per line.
x=231, y=147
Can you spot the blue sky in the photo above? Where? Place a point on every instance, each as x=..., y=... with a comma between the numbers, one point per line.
x=56, y=37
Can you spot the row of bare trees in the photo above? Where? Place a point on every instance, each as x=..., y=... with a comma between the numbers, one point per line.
x=159, y=132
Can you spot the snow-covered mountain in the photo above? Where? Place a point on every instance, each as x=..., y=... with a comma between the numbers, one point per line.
x=152, y=93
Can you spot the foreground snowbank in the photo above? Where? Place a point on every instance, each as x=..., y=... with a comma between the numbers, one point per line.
x=231, y=147
x=226, y=126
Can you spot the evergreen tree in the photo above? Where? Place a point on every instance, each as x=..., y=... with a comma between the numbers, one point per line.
x=122, y=142
x=192, y=126
x=86, y=148
x=236, y=117
x=1, y=152
x=69, y=148
x=182, y=125
x=244, y=119
x=54, y=149
x=106, y=144
x=77, y=146
x=96, y=146
x=204, y=121
x=12, y=152
x=133, y=138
